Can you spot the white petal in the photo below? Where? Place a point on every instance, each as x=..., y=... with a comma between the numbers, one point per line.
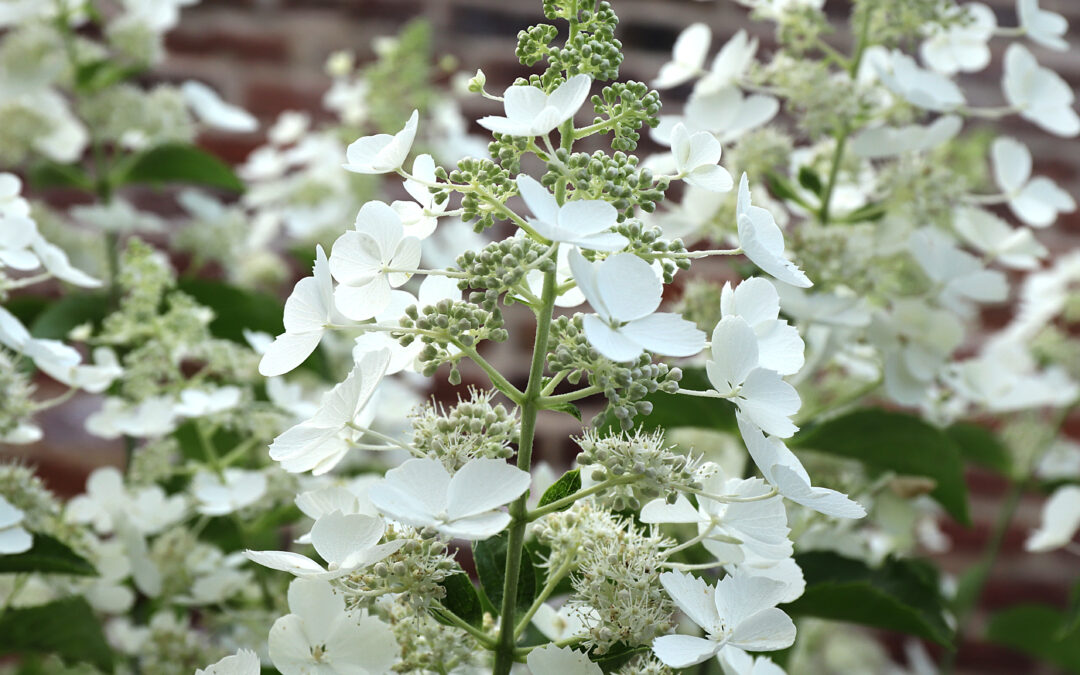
x=483, y=484
x=336, y=535
x=829, y=502
x=569, y=96
x=628, y=286
x=587, y=216
x=694, y=597
x=608, y=341
x=212, y=110
x=1060, y=520
x=285, y=561
x=712, y=178
x=552, y=660
x=768, y=630
x=667, y=334
x=734, y=353
x=769, y=402
x=476, y=528
x=683, y=651
x=1012, y=163
x=539, y=200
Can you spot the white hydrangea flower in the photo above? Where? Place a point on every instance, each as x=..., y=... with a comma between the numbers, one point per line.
x=916, y=341
x=687, y=57
x=783, y=469
x=107, y=501
x=243, y=662
x=552, y=660
x=959, y=277
x=530, y=112
x=382, y=153
x=696, y=160
x=918, y=86
x=209, y=107
x=1036, y=201
x=1042, y=26
x=202, y=402
x=739, y=532
x=150, y=418
x=419, y=218
x=883, y=141
x=1004, y=377
x=763, y=242
x=625, y=293
x=219, y=495
x=1016, y=248
x=361, y=257
x=726, y=113
x=347, y=542
x=961, y=47
x=740, y=612
x=318, y=444
x=585, y=223
x=309, y=311
x=780, y=347
x=1060, y=520
x=729, y=64
x=13, y=538
x=735, y=371
x=422, y=493
x=1040, y=95
x=320, y=636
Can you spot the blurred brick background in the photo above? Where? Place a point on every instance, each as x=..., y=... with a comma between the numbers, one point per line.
x=268, y=56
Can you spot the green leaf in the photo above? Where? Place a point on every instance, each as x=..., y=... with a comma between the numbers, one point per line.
x=462, y=599
x=618, y=656
x=235, y=308
x=895, y=441
x=782, y=188
x=67, y=628
x=809, y=180
x=1071, y=623
x=61, y=316
x=1037, y=630
x=97, y=75
x=569, y=409
x=52, y=174
x=568, y=484
x=867, y=212
x=47, y=555
x=979, y=445
x=180, y=163
x=901, y=595
x=490, y=558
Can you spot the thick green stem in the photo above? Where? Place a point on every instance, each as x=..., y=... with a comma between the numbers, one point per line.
x=530, y=407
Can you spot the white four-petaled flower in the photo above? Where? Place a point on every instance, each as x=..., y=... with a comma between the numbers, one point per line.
x=530, y=112
x=1036, y=201
x=319, y=636
x=625, y=293
x=381, y=153
x=783, y=469
x=763, y=242
x=1039, y=94
x=696, y=159
x=585, y=223
x=368, y=261
x=422, y=493
x=347, y=542
x=309, y=311
x=318, y=444
x=734, y=369
x=739, y=612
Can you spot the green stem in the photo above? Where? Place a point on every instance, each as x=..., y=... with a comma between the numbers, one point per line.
x=481, y=637
x=569, y=397
x=497, y=379
x=504, y=649
x=845, y=130
x=549, y=587
x=569, y=500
